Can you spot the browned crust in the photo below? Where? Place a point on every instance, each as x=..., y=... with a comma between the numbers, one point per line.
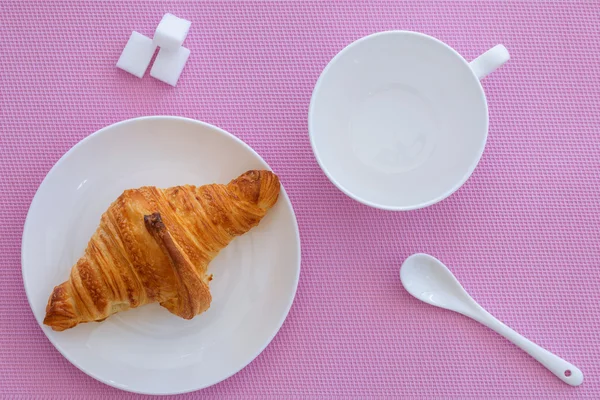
x=154, y=245
x=60, y=311
x=193, y=295
x=258, y=187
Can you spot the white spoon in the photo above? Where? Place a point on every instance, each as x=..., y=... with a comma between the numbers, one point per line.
x=427, y=279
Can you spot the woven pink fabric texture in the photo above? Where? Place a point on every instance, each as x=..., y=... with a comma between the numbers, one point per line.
x=522, y=235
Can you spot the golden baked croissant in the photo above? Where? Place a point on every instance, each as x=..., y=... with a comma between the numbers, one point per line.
x=154, y=245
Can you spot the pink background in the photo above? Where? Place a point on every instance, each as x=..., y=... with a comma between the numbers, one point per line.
x=523, y=234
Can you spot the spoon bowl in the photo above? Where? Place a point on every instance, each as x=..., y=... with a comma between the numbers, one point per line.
x=429, y=280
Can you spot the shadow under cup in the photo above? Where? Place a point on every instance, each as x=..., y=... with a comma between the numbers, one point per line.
x=398, y=120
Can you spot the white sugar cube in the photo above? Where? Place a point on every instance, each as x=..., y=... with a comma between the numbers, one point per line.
x=171, y=32
x=169, y=65
x=137, y=54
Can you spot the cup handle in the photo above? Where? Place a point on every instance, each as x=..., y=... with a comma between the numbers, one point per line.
x=489, y=61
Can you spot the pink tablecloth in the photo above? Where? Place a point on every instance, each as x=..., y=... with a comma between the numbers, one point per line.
x=523, y=235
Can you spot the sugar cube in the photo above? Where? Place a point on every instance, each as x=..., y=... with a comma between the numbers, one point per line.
x=137, y=54
x=171, y=32
x=169, y=64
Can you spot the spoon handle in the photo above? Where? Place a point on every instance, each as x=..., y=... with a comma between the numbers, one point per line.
x=564, y=370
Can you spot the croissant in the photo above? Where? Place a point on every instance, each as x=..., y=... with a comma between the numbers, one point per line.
x=154, y=245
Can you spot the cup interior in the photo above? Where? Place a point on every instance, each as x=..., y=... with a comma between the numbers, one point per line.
x=398, y=120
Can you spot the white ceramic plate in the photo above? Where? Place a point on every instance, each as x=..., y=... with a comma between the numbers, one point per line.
x=148, y=350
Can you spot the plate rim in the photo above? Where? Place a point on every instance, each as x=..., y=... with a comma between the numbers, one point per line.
x=283, y=195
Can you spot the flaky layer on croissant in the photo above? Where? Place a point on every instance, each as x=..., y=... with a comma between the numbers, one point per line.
x=154, y=245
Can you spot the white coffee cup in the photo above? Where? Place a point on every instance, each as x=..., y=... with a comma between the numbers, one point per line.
x=398, y=120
